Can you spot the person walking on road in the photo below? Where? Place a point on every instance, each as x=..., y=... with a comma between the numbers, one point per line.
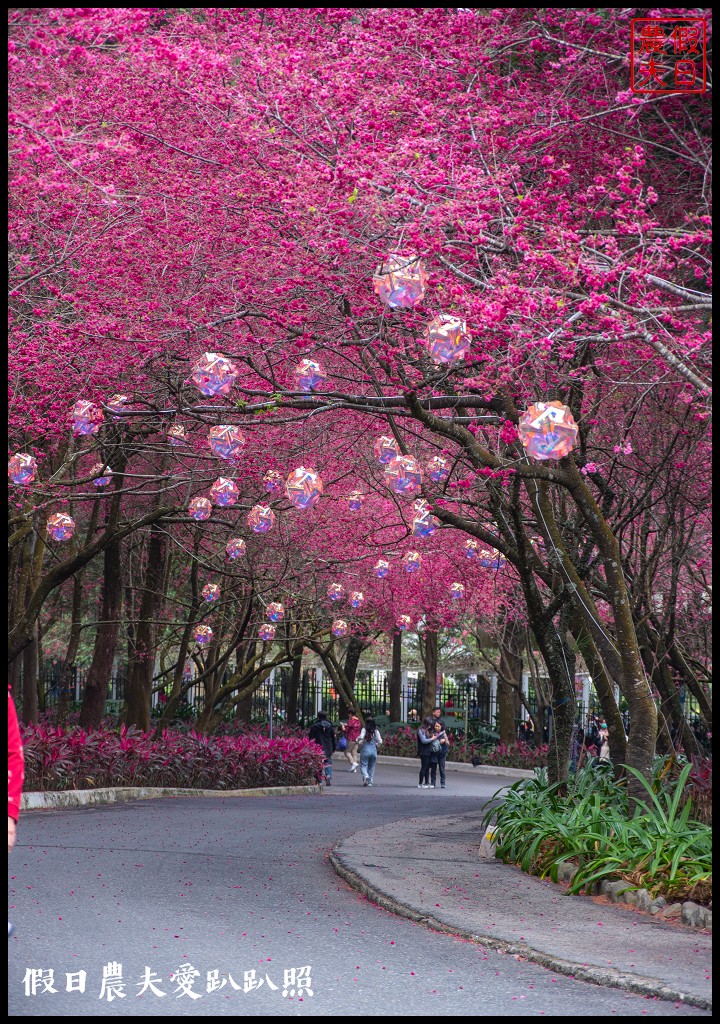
x=322, y=733
x=352, y=731
x=368, y=741
x=16, y=776
x=425, y=738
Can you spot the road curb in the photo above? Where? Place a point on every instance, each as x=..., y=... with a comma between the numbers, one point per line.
x=607, y=977
x=119, y=794
x=455, y=766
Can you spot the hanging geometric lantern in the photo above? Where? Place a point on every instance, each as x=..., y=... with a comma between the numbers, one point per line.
x=224, y=492
x=200, y=509
x=339, y=627
x=424, y=523
x=381, y=568
x=102, y=474
x=273, y=482
x=403, y=475
x=266, y=631
x=261, y=518
x=403, y=622
x=225, y=440
x=548, y=431
x=412, y=561
x=275, y=611
x=457, y=591
x=309, y=374
x=303, y=488
x=87, y=418
x=356, y=598
x=490, y=558
x=538, y=545
x=356, y=500
x=447, y=339
x=176, y=435
x=386, y=449
x=471, y=548
x=22, y=469
x=213, y=374
x=400, y=281
x=438, y=469
x=211, y=592
x=235, y=548
x=60, y=526
x=117, y=403
x=203, y=635
x=336, y=592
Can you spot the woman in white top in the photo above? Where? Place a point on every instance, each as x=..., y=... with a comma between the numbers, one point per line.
x=368, y=742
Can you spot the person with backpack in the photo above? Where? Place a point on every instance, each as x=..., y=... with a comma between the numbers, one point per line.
x=368, y=742
x=322, y=733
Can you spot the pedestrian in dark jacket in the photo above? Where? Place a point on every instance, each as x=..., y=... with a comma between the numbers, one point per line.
x=322, y=733
x=425, y=739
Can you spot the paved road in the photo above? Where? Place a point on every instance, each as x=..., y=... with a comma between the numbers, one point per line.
x=241, y=886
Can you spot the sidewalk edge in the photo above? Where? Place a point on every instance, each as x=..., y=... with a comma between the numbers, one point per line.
x=58, y=799
x=607, y=977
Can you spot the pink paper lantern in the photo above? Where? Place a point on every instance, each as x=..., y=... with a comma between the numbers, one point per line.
x=403, y=622
x=403, y=475
x=203, y=635
x=102, y=474
x=457, y=591
x=60, y=526
x=381, y=568
x=548, y=431
x=266, y=631
x=87, y=418
x=176, y=435
x=412, y=561
x=275, y=611
x=309, y=375
x=386, y=449
x=438, y=469
x=235, y=548
x=226, y=441
x=210, y=592
x=447, y=339
x=400, y=282
x=336, y=592
x=200, y=509
x=22, y=469
x=224, y=492
x=273, y=482
x=261, y=518
x=356, y=599
x=356, y=500
x=117, y=404
x=304, y=488
x=471, y=548
x=339, y=628
x=213, y=374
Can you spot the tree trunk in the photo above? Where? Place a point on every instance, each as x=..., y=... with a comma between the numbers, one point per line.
x=292, y=699
x=604, y=689
x=140, y=671
x=396, y=678
x=429, y=689
x=106, y=637
x=30, y=685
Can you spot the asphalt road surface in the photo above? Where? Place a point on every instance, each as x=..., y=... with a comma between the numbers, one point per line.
x=221, y=907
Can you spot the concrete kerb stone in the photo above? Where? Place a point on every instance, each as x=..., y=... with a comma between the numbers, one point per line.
x=608, y=977
x=88, y=797
x=456, y=766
